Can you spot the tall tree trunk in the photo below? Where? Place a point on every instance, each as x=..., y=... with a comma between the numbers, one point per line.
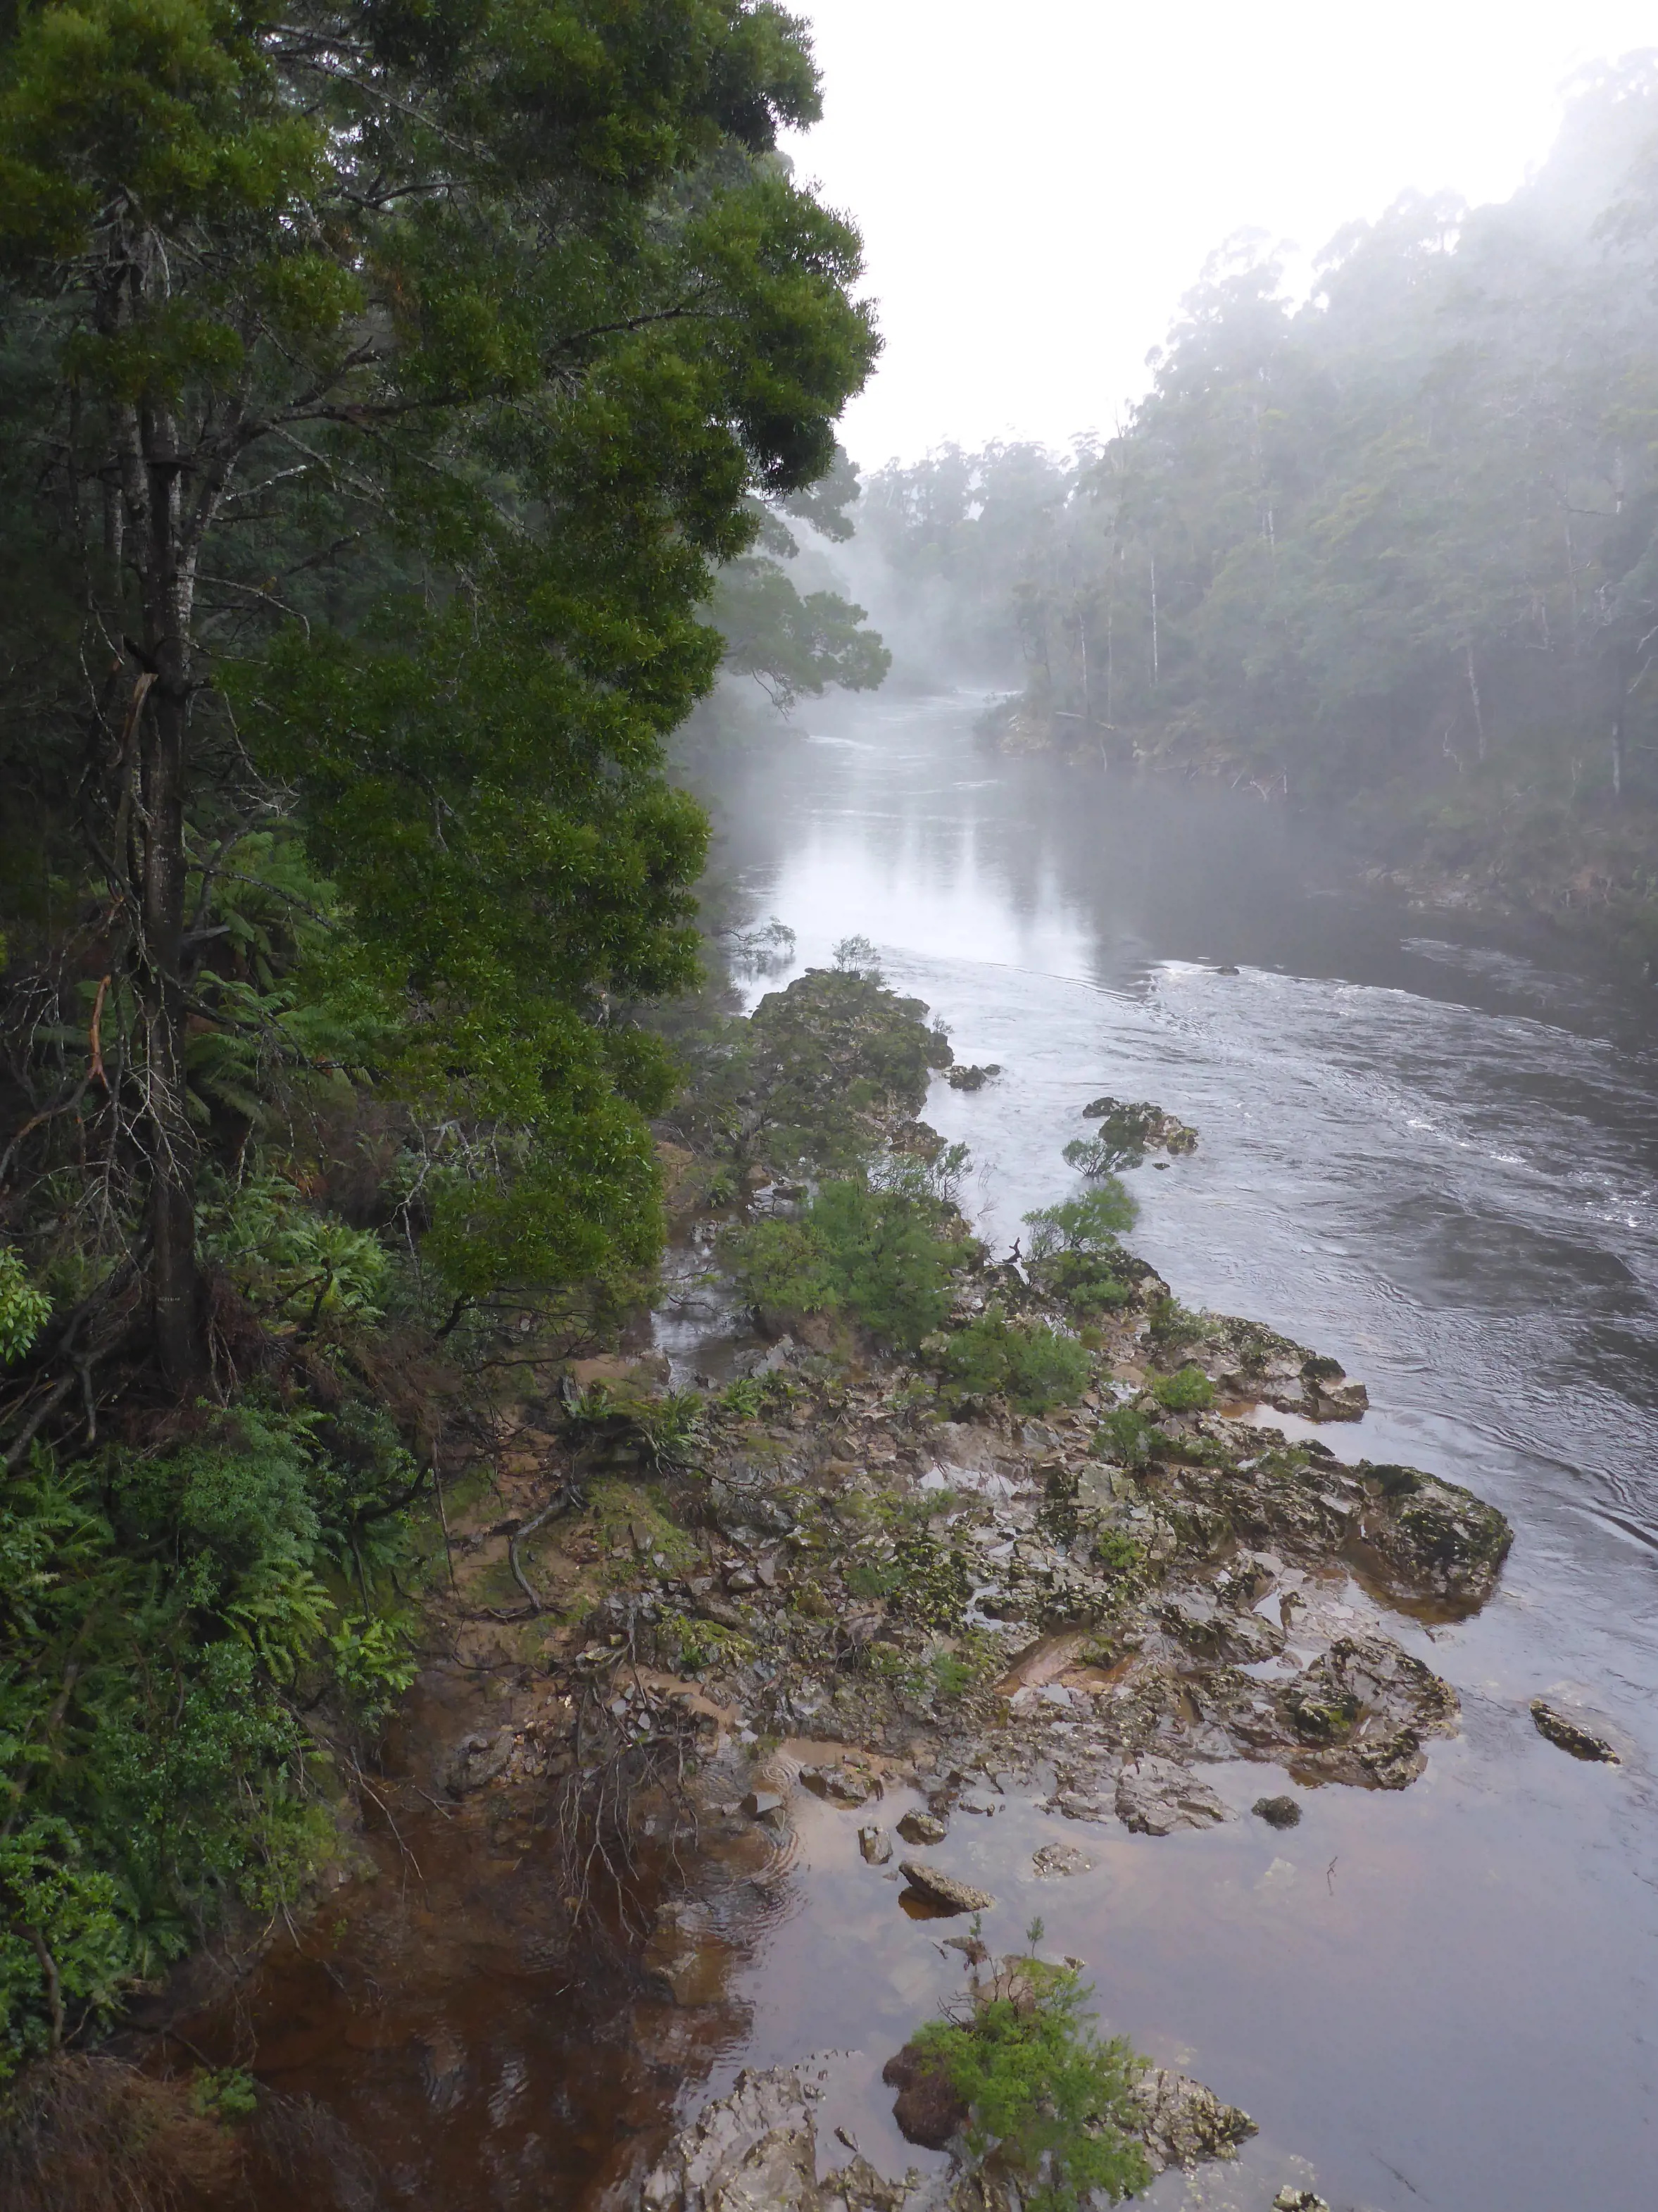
x=176, y=1289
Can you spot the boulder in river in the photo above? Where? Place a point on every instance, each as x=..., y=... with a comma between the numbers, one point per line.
x=1154, y=1798
x=926, y=2108
x=1433, y=1536
x=1560, y=1729
x=1277, y=1812
x=922, y=1828
x=1183, y=2121
x=943, y=1889
x=875, y=1844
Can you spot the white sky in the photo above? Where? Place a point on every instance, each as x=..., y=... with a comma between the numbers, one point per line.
x=1037, y=183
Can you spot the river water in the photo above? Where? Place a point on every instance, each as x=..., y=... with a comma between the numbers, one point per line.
x=1433, y=1151
x=1426, y=1147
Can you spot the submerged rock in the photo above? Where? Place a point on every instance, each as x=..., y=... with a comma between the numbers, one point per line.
x=943, y=1889
x=841, y=1785
x=1183, y=2121
x=754, y=2151
x=926, y=2108
x=922, y=1828
x=477, y=1760
x=1060, y=1858
x=1154, y=1798
x=1561, y=1730
x=1277, y=1812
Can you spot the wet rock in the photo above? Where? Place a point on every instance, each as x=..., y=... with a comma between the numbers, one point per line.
x=754, y=2151
x=1560, y=1729
x=1433, y=1536
x=840, y=1785
x=1186, y=2122
x=922, y=1828
x=875, y=1843
x=971, y=1077
x=943, y=1889
x=1183, y=2121
x=679, y=1962
x=928, y=2110
x=1078, y=1805
x=763, y=1806
x=978, y=1801
x=1154, y=1798
x=477, y=1760
x=1362, y=1710
x=1060, y=1859
x=1299, y=2200
x=1277, y=1812
x=1132, y=1128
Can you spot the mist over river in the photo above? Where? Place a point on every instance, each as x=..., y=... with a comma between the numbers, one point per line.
x=1432, y=1152
x=1426, y=1148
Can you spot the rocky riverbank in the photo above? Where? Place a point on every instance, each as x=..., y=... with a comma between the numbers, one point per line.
x=851, y=1574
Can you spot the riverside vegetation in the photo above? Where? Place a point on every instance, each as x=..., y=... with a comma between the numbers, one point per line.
x=1387, y=553
x=943, y=1470
x=385, y=390
x=393, y=399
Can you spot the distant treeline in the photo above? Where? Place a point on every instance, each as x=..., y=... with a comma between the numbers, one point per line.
x=1395, y=547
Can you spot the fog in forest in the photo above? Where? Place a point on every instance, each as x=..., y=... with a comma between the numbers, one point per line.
x=828, y=1101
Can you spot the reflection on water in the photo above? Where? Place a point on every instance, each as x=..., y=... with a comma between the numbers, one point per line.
x=1433, y=1155
x=1426, y=1151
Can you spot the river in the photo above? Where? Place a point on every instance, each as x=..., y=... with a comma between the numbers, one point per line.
x=1433, y=1151
x=1427, y=1146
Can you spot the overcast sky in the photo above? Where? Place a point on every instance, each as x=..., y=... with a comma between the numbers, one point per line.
x=1038, y=183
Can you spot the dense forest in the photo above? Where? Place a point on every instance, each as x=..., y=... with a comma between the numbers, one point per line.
x=1392, y=547
x=390, y=393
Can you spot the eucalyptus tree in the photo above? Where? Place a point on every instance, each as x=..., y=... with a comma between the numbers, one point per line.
x=385, y=380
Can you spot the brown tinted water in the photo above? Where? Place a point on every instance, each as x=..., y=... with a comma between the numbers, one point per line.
x=1427, y=1148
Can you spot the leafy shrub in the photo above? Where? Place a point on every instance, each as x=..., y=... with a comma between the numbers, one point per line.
x=1189, y=1391
x=1124, y=1434
x=1173, y=1324
x=1029, y=1364
x=1074, y=1252
x=23, y=1309
x=873, y=1253
x=1090, y=1224
x=1043, y=2093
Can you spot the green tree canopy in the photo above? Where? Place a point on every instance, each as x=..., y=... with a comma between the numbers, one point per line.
x=385, y=381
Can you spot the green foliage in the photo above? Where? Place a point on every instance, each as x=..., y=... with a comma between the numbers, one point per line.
x=867, y=1249
x=224, y=2093
x=1029, y=1364
x=1124, y=1435
x=1173, y=1324
x=1089, y=1225
x=838, y=1061
x=1188, y=1391
x=153, y=1611
x=933, y=1584
x=1044, y=2094
x=292, y=1263
x=1074, y=1252
x=374, y=1664
x=24, y=1309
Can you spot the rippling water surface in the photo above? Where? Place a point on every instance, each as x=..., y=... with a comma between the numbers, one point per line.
x=1429, y=1151
x=1434, y=1153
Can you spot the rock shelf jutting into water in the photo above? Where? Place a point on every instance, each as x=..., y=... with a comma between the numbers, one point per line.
x=1026, y=1544
x=868, y=1567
